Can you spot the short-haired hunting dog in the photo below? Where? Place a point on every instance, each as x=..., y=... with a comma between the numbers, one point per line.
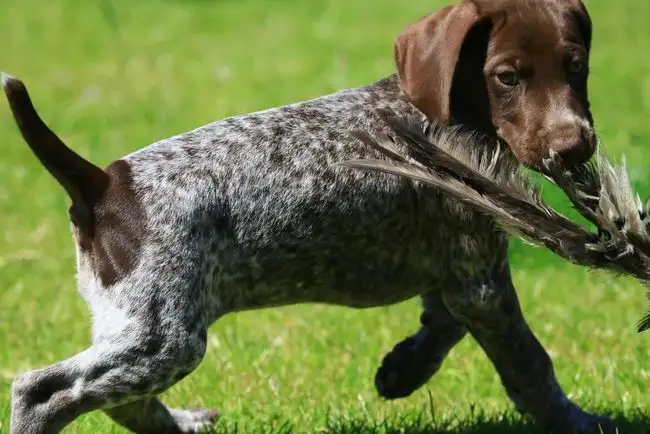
x=253, y=211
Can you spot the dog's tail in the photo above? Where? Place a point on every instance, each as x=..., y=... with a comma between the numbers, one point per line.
x=84, y=182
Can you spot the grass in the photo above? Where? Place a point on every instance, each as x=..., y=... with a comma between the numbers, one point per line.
x=111, y=77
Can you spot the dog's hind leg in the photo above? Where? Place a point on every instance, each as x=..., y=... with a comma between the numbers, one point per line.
x=119, y=373
x=150, y=416
x=413, y=361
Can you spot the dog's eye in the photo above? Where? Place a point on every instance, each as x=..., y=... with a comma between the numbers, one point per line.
x=576, y=67
x=508, y=78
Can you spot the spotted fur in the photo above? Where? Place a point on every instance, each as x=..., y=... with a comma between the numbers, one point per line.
x=253, y=211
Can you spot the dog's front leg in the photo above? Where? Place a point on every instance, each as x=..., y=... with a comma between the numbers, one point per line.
x=490, y=309
x=413, y=361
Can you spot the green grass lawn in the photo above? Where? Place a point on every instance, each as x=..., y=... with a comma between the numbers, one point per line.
x=111, y=79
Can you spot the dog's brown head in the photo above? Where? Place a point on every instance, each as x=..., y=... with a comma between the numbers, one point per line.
x=514, y=69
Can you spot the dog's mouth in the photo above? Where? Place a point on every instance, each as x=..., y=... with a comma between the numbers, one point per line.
x=529, y=160
x=536, y=160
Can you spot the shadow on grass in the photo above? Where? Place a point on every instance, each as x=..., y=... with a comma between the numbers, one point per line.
x=478, y=427
x=423, y=423
x=508, y=423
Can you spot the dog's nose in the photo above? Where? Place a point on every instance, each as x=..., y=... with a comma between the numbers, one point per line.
x=575, y=145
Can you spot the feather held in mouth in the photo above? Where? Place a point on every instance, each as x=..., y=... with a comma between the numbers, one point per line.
x=487, y=179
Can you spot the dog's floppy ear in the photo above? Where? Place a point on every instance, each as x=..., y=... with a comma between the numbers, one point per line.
x=584, y=22
x=426, y=53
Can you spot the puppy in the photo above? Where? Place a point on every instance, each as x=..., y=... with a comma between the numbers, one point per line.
x=250, y=212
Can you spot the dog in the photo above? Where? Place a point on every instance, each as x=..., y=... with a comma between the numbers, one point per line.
x=252, y=211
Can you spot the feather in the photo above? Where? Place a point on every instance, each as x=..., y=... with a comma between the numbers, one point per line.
x=486, y=177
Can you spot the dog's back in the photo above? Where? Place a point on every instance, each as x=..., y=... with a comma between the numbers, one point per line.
x=276, y=223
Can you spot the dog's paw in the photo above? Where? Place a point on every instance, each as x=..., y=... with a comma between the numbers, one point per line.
x=404, y=370
x=578, y=421
x=194, y=421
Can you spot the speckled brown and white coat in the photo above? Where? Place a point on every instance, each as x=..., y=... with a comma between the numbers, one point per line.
x=252, y=212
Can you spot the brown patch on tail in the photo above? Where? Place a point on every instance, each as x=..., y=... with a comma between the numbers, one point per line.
x=84, y=182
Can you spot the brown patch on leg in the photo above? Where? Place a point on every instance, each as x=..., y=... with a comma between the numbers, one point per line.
x=120, y=227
